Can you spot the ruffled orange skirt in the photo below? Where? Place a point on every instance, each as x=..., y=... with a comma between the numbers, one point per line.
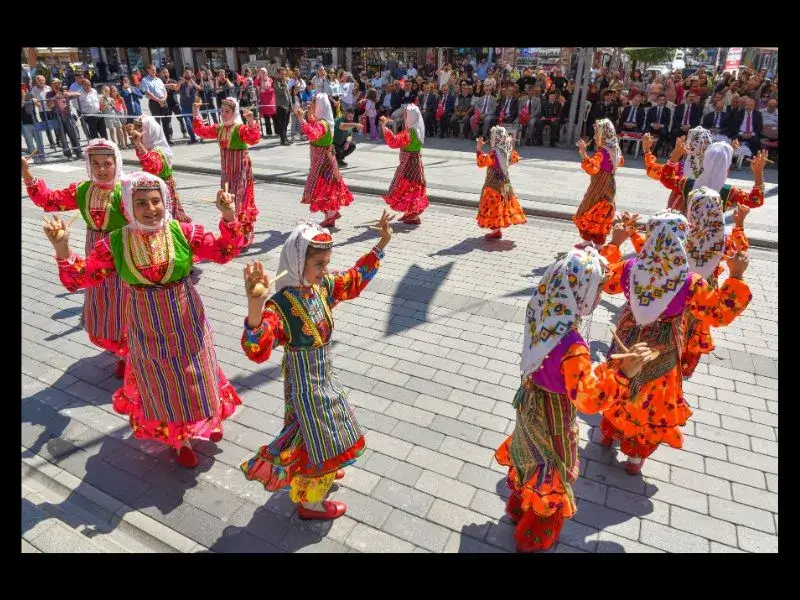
x=494, y=213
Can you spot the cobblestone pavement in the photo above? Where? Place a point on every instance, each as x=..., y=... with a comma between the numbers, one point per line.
x=429, y=354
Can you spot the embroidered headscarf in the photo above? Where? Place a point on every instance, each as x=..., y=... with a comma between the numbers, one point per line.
x=609, y=141
x=153, y=136
x=322, y=109
x=697, y=142
x=414, y=121
x=716, y=162
x=237, y=117
x=706, y=239
x=570, y=288
x=103, y=146
x=661, y=267
x=141, y=180
x=503, y=145
x=293, y=253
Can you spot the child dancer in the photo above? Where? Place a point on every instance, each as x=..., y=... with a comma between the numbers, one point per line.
x=499, y=207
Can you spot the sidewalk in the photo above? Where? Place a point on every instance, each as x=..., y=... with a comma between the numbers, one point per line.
x=548, y=181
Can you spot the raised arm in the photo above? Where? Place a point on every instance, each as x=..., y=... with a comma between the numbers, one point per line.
x=42, y=196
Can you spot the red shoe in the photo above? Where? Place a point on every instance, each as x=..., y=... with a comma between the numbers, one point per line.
x=605, y=442
x=187, y=458
x=412, y=220
x=327, y=223
x=340, y=474
x=521, y=550
x=215, y=436
x=634, y=468
x=495, y=235
x=333, y=510
x=119, y=372
x=337, y=216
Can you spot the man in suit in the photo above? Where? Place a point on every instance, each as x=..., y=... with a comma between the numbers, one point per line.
x=657, y=121
x=400, y=99
x=448, y=102
x=551, y=117
x=485, y=107
x=717, y=120
x=462, y=109
x=427, y=106
x=607, y=109
x=687, y=116
x=508, y=107
x=533, y=106
x=746, y=126
x=632, y=120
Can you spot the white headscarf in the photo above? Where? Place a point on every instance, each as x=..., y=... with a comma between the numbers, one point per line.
x=414, y=121
x=97, y=146
x=706, y=239
x=697, y=141
x=716, y=162
x=570, y=288
x=503, y=145
x=609, y=141
x=661, y=268
x=293, y=253
x=143, y=180
x=153, y=136
x=322, y=109
x=237, y=117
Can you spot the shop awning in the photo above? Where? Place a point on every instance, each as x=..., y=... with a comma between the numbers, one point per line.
x=56, y=50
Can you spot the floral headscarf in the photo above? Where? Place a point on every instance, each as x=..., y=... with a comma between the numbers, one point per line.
x=697, y=141
x=293, y=253
x=706, y=239
x=661, y=267
x=103, y=146
x=608, y=140
x=503, y=146
x=570, y=288
x=141, y=180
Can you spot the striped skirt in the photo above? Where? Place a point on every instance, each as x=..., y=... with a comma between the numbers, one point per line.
x=174, y=389
x=102, y=306
x=325, y=189
x=595, y=214
x=407, y=193
x=320, y=433
x=237, y=172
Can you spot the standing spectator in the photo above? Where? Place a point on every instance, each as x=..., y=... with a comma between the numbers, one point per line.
x=385, y=102
x=343, y=144
x=75, y=92
x=400, y=99
x=130, y=95
x=223, y=87
x=321, y=83
x=154, y=89
x=444, y=75
x=121, y=110
x=29, y=131
x=371, y=112
x=283, y=105
x=560, y=82
x=266, y=99
x=412, y=71
x=429, y=70
x=711, y=103
x=89, y=102
x=109, y=115
x=655, y=88
x=187, y=92
x=39, y=90
x=307, y=95
x=483, y=69
x=207, y=93
x=346, y=90
x=526, y=80
x=377, y=81
x=59, y=102
x=746, y=126
x=294, y=123
x=173, y=102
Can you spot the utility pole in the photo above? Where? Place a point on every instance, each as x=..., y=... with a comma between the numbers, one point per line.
x=585, y=75
x=575, y=95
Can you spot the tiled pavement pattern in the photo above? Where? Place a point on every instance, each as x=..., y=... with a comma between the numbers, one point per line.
x=429, y=354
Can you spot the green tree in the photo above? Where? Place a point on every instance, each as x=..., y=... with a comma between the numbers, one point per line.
x=650, y=56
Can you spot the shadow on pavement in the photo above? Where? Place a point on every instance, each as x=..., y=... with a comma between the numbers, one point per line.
x=421, y=294
x=476, y=243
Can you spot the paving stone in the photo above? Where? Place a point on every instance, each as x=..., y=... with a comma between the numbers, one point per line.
x=417, y=530
x=707, y=527
x=445, y=487
x=741, y=514
x=435, y=461
x=671, y=540
x=403, y=497
x=396, y=470
x=756, y=541
x=369, y=539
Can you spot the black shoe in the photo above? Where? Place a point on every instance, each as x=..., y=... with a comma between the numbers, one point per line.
x=190, y=142
x=341, y=163
x=170, y=142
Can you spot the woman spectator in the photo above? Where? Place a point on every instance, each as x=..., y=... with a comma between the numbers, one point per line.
x=346, y=84
x=266, y=99
x=637, y=79
x=121, y=111
x=444, y=74
x=294, y=124
x=130, y=95
x=656, y=87
x=248, y=94
x=113, y=124
x=207, y=92
x=223, y=87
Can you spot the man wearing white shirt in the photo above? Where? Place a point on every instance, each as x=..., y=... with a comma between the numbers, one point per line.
x=412, y=71
x=346, y=90
x=377, y=81
x=769, y=118
x=89, y=103
x=321, y=83
x=155, y=90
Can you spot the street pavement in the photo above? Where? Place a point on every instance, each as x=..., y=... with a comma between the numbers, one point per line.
x=429, y=355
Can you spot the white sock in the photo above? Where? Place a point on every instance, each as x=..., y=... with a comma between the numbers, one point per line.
x=634, y=461
x=317, y=506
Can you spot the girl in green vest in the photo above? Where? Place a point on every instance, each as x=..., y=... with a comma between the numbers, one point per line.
x=155, y=156
x=98, y=200
x=174, y=389
x=321, y=435
x=234, y=137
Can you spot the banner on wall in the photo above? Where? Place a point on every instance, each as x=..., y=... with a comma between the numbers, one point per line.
x=733, y=60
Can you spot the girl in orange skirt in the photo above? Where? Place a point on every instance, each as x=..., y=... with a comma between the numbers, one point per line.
x=660, y=288
x=499, y=207
x=596, y=213
x=558, y=381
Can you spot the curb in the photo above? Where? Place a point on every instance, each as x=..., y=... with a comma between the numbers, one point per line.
x=433, y=197
x=108, y=510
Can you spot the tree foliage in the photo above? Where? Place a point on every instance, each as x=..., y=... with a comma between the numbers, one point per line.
x=652, y=56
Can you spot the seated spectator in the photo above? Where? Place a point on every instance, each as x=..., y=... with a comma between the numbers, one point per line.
x=428, y=102
x=717, y=121
x=687, y=116
x=485, y=108
x=551, y=118
x=657, y=121
x=462, y=110
x=746, y=126
x=530, y=110
x=769, y=129
x=632, y=121
x=444, y=109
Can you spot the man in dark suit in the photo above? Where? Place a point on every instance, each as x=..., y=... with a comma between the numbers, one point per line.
x=462, y=110
x=402, y=96
x=508, y=106
x=551, y=117
x=717, y=120
x=657, y=121
x=687, y=116
x=448, y=102
x=746, y=126
x=632, y=120
x=427, y=106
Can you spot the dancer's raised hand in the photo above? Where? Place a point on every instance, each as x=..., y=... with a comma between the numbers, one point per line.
x=385, y=228
x=256, y=282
